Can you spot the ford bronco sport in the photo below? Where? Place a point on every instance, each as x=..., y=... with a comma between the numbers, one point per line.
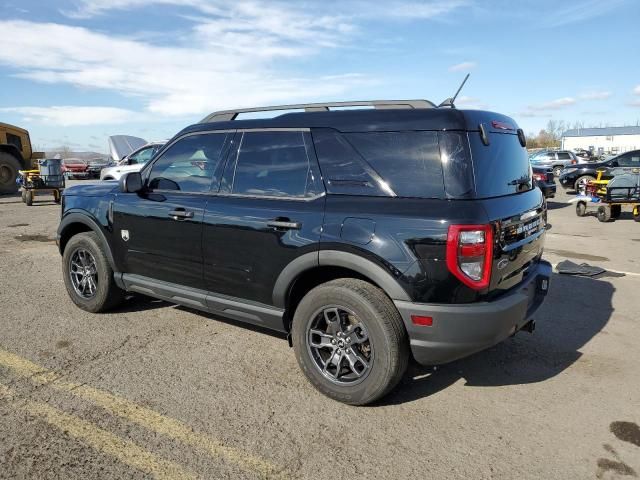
x=366, y=235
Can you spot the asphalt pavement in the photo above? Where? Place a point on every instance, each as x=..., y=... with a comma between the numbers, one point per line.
x=153, y=390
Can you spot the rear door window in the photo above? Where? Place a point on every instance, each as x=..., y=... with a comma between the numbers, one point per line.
x=502, y=167
x=631, y=159
x=274, y=164
x=564, y=156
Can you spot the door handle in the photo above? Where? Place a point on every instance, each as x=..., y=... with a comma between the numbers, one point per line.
x=284, y=224
x=180, y=214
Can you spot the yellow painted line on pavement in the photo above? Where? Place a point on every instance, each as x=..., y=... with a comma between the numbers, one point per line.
x=103, y=441
x=143, y=416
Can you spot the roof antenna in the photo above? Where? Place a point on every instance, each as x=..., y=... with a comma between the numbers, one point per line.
x=449, y=101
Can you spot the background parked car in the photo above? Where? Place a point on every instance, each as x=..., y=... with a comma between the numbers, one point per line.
x=75, y=168
x=576, y=177
x=544, y=179
x=555, y=160
x=96, y=165
x=132, y=162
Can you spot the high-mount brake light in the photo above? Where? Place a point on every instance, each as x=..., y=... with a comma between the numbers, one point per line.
x=501, y=125
x=470, y=254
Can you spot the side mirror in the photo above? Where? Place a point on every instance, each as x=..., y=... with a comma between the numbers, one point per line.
x=131, y=182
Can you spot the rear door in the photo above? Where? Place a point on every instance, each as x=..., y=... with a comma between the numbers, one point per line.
x=159, y=230
x=268, y=213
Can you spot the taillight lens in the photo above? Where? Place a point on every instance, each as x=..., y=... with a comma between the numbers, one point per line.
x=470, y=254
x=539, y=177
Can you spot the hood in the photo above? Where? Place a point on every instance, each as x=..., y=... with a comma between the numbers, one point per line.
x=122, y=145
x=91, y=189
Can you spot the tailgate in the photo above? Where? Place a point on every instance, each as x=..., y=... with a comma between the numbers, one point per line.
x=520, y=223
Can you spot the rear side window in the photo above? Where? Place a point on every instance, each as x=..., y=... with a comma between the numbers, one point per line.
x=408, y=162
x=564, y=156
x=502, y=167
x=631, y=159
x=273, y=164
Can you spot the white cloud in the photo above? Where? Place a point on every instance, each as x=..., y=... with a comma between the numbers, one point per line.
x=554, y=104
x=463, y=67
x=471, y=103
x=637, y=90
x=67, y=116
x=581, y=12
x=595, y=95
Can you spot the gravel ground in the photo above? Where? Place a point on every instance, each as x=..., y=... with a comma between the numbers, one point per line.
x=155, y=390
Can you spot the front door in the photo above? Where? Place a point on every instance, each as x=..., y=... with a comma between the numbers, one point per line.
x=268, y=213
x=159, y=230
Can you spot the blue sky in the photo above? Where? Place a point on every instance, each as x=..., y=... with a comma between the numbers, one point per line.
x=74, y=72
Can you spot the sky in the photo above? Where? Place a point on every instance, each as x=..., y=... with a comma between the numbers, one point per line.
x=74, y=72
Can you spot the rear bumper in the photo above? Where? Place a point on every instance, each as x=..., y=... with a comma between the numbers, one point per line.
x=549, y=190
x=460, y=330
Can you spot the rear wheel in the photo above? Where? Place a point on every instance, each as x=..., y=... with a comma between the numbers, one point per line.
x=581, y=182
x=88, y=276
x=350, y=341
x=9, y=167
x=604, y=213
x=557, y=171
x=581, y=209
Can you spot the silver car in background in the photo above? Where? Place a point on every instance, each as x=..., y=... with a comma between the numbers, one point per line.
x=128, y=159
x=557, y=160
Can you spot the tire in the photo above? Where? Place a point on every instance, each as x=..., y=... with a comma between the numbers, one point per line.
x=28, y=198
x=584, y=179
x=23, y=194
x=604, y=213
x=56, y=196
x=636, y=214
x=106, y=294
x=364, y=311
x=9, y=166
x=581, y=209
x=616, y=210
x=557, y=171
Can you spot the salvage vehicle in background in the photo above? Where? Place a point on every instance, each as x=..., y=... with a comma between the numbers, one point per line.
x=75, y=168
x=96, y=165
x=577, y=177
x=15, y=154
x=365, y=235
x=131, y=162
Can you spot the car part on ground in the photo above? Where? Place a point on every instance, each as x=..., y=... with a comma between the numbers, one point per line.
x=304, y=224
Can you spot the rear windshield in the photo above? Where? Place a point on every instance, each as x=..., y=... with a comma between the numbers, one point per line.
x=502, y=167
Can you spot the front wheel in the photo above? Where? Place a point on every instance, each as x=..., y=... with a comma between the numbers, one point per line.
x=581, y=209
x=350, y=341
x=581, y=183
x=604, y=213
x=87, y=274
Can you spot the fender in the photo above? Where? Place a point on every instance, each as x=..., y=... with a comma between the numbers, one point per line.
x=335, y=258
x=76, y=217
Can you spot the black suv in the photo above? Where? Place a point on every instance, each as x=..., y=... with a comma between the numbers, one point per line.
x=364, y=235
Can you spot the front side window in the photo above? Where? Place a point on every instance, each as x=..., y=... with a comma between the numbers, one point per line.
x=189, y=165
x=631, y=159
x=273, y=164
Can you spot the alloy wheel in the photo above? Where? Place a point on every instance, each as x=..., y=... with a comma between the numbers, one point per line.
x=339, y=345
x=83, y=273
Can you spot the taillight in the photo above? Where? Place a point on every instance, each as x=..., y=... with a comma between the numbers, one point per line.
x=539, y=177
x=470, y=254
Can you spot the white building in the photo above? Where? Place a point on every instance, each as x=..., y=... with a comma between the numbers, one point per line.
x=602, y=140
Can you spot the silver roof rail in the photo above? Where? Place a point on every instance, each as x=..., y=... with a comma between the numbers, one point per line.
x=227, y=115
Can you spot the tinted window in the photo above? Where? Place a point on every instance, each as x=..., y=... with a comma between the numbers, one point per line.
x=343, y=170
x=189, y=165
x=273, y=164
x=408, y=162
x=456, y=167
x=631, y=159
x=502, y=168
x=564, y=156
